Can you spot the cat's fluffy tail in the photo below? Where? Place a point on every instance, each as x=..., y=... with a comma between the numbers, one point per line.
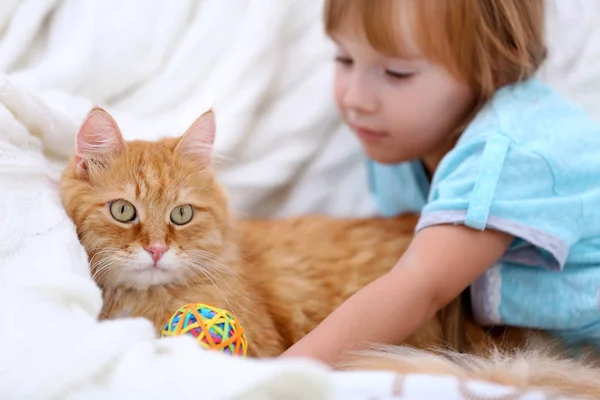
x=528, y=370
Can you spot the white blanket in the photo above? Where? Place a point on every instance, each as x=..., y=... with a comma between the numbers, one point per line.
x=156, y=65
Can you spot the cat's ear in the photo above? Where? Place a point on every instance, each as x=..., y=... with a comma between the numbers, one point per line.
x=199, y=138
x=98, y=140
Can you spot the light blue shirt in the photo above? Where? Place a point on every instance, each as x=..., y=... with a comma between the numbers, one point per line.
x=528, y=165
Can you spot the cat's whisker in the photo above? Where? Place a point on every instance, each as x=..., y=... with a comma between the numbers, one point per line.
x=102, y=272
x=102, y=267
x=208, y=274
x=199, y=189
x=215, y=260
x=205, y=273
x=101, y=251
x=216, y=265
x=192, y=277
x=208, y=269
x=202, y=171
x=184, y=179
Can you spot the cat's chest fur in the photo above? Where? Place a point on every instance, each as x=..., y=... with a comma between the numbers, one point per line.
x=160, y=303
x=124, y=303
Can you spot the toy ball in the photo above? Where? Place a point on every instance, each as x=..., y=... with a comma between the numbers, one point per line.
x=213, y=328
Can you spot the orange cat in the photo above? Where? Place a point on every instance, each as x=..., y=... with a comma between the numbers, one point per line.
x=159, y=234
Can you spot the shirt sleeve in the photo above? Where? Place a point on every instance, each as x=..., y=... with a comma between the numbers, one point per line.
x=493, y=183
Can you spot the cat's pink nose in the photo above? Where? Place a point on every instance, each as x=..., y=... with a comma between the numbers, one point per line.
x=156, y=252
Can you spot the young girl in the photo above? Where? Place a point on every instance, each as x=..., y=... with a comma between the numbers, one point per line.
x=504, y=171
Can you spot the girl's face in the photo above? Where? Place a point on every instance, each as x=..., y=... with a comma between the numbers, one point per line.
x=400, y=109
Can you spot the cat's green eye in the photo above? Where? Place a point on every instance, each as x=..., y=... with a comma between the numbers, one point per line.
x=122, y=211
x=181, y=215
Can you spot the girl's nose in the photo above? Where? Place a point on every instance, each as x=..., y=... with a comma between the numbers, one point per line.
x=359, y=96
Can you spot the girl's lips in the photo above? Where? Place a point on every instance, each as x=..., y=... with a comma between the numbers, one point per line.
x=368, y=135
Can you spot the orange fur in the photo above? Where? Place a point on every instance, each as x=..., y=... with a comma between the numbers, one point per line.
x=279, y=277
x=527, y=369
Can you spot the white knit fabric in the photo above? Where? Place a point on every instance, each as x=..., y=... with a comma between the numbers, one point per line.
x=156, y=65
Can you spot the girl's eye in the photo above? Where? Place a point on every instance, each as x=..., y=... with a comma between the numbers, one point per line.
x=398, y=75
x=347, y=61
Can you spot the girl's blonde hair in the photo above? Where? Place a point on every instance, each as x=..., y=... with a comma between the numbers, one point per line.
x=485, y=43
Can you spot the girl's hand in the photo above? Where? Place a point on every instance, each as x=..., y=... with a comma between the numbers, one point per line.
x=439, y=264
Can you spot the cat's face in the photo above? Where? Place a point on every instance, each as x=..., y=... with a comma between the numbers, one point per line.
x=147, y=213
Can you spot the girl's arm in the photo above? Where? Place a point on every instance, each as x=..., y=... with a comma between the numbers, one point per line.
x=439, y=264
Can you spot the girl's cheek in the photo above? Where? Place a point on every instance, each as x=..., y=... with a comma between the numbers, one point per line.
x=339, y=89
